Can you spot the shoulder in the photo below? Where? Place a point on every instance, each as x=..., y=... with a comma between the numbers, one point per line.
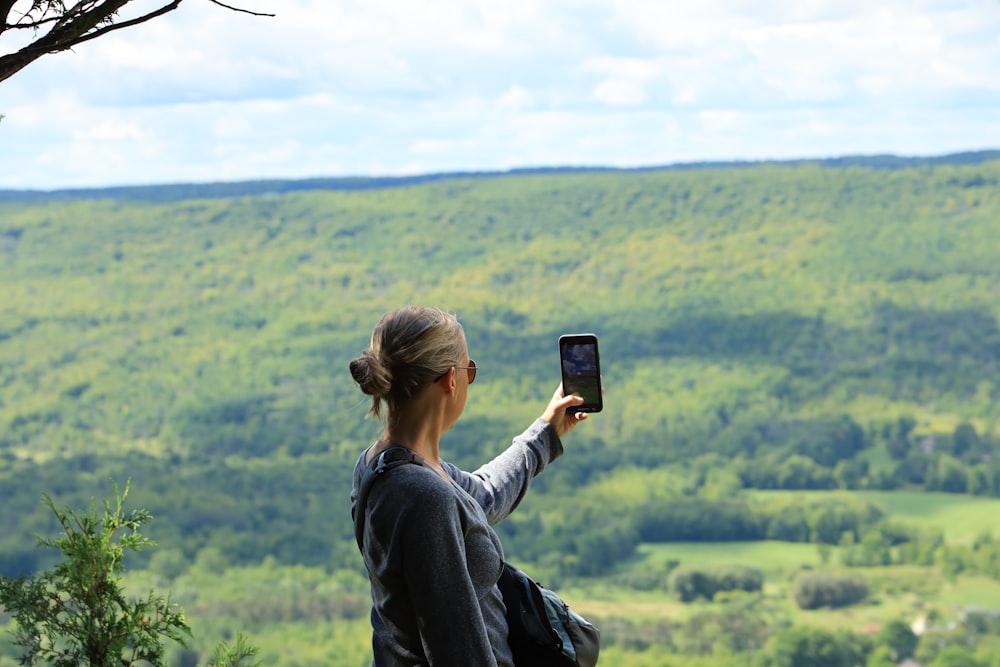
x=411, y=486
x=414, y=503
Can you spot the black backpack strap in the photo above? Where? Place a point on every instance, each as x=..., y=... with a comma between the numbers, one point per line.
x=390, y=458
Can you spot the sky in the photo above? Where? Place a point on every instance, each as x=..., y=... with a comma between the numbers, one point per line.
x=402, y=87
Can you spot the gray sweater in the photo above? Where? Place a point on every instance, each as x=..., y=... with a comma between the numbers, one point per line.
x=433, y=558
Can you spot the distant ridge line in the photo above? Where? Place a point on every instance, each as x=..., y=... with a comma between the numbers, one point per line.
x=220, y=190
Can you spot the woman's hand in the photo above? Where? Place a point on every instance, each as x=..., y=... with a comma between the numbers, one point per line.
x=560, y=413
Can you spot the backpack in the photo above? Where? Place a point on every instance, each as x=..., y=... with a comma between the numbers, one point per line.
x=542, y=630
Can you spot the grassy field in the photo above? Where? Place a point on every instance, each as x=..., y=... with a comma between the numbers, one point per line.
x=907, y=592
x=960, y=517
x=972, y=592
x=897, y=592
x=771, y=557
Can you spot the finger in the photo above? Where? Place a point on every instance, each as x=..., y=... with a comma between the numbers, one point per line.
x=565, y=402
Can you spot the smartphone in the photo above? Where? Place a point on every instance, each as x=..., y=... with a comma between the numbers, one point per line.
x=581, y=370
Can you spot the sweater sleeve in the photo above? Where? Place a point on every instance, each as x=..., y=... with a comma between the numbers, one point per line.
x=499, y=485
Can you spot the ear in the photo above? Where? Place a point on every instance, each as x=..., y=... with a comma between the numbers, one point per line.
x=449, y=381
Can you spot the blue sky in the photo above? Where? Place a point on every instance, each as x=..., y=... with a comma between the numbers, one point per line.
x=394, y=87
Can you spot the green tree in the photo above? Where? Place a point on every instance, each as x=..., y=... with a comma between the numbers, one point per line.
x=813, y=590
x=77, y=613
x=899, y=442
x=849, y=472
x=965, y=439
x=980, y=480
x=955, y=656
x=949, y=476
x=801, y=472
x=789, y=524
x=899, y=638
x=882, y=656
x=690, y=584
x=804, y=646
x=943, y=648
x=235, y=655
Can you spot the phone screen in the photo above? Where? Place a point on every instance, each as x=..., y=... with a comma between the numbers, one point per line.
x=581, y=370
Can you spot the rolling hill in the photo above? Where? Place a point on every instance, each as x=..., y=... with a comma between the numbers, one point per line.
x=791, y=325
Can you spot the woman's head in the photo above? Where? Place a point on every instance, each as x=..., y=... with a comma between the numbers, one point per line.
x=410, y=348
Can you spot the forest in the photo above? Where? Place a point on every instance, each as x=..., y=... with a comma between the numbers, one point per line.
x=788, y=350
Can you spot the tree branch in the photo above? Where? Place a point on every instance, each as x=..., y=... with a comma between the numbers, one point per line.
x=6, y=7
x=103, y=10
x=73, y=27
x=125, y=24
x=83, y=21
x=34, y=25
x=237, y=9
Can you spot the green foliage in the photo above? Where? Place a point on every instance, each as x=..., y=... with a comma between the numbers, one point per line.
x=814, y=590
x=813, y=647
x=78, y=612
x=899, y=639
x=238, y=654
x=691, y=583
x=739, y=629
x=956, y=656
x=882, y=656
x=982, y=557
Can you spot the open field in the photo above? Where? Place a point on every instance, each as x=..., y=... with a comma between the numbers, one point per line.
x=960, y=517
x=771, y=557
x=897, y=592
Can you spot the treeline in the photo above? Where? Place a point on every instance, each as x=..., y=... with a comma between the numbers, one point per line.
x=589, y=544
x=248, y=511
x=182, y=191
x=962, y=461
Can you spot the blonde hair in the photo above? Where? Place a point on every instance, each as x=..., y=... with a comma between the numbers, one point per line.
x=410, y=348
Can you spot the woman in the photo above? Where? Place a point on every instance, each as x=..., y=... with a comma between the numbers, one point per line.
x=432, y=557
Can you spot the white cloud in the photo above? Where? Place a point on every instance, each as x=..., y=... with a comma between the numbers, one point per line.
x=110, y=132
x=441, y=146
x=618, y=92
x=383, y=87
x=638, y=69
x=628, y=79
x=515, y=98
x=714, y=120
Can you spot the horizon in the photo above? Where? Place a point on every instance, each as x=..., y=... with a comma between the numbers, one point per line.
x=360, y=181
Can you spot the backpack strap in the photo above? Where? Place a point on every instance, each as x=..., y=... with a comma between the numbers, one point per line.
x=393, y=457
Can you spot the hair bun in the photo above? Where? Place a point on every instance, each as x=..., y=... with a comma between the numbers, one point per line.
x=371, y=374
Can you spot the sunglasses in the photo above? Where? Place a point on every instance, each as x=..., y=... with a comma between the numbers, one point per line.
x=471, y=368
